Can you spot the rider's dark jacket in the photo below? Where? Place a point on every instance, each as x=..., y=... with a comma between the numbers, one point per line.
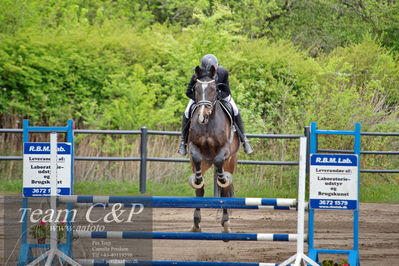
x=222, y=81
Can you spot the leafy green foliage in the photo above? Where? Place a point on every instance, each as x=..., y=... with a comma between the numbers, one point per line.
x=125, y=64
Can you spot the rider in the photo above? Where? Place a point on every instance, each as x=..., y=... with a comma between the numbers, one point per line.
x=222, y=81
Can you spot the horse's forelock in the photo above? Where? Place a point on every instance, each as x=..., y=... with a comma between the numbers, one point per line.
x=203, y=74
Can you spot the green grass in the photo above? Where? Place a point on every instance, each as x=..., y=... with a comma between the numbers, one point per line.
x=381, y=192
x=11, y=187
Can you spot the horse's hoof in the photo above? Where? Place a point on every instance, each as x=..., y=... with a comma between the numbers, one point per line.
x=191, y=181
x=229, y=179
x=195, y=229
x=226, y=227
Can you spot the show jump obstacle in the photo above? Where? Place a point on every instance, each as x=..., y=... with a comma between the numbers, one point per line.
x=38, y=153
x=64, y=251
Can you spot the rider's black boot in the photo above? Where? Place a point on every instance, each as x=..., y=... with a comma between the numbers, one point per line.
x=240, y=124
x=183, y=138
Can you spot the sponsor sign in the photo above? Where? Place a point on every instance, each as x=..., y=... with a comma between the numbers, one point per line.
x=334, y=181
x=36, y=169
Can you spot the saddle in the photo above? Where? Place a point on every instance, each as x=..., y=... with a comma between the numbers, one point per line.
x=228, y=109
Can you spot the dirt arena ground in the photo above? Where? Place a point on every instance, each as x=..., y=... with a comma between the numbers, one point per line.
x=379, y=235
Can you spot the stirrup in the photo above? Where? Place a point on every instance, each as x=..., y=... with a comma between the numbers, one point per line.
x=182, y=149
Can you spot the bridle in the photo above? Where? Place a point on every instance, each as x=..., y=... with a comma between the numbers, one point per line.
x=203, y=102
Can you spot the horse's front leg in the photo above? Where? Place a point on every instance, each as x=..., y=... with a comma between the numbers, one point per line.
x=196, y=180
x=224, y=179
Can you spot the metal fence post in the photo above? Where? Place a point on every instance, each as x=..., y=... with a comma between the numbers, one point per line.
x=143, y=161
x=216, y=190
x=307, y=135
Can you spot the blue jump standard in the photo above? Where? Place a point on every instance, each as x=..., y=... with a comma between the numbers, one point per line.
x=90, y=262
x=186, y=236
x=205, y=202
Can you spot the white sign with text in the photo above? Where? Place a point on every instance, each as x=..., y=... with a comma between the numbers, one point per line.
x=333, y=181
x=36, y=169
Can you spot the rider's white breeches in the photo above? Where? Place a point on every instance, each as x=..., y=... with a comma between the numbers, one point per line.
x=228, y=99
x=186, y=113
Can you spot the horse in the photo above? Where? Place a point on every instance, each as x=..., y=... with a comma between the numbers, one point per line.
x=211, y=141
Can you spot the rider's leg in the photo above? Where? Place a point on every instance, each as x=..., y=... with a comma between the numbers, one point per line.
x=184, y=132
x=240, y=124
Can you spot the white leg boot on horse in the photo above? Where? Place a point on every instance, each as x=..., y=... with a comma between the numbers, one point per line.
x=196, y=181
x=225, y=179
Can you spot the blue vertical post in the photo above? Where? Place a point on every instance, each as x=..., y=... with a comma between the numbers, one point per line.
x=71, y=139
x=26, y=248
x=143, y=160
x=313, y=149
x=356, y=212
x=307, y=135
x=25, y=138
x=354, y=253
x=69, y=233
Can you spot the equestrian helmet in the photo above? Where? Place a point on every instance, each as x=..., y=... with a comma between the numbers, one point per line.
x=209, y=60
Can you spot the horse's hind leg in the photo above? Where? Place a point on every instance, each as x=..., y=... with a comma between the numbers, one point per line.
x=197, y=182
x=226, y=192
x=224, y=181
x=197, y=212
x=199, y=192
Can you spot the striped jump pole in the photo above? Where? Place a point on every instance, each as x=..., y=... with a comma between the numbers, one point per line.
x=196, y=202
x=130, y=205
x=91, y=262
x=300, y=256
x=189, y=202
x=186, y=236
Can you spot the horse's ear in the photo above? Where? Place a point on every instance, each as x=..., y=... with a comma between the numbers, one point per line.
x=213, y=71
x=198, y=71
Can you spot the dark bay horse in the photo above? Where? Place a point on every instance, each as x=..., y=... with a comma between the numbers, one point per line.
x=211, y=142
